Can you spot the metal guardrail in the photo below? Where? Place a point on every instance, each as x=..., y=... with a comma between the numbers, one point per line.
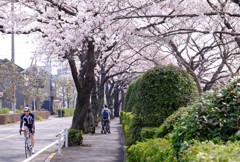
x=62, y=139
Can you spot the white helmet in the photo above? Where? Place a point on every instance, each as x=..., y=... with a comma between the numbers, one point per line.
x=26, y=109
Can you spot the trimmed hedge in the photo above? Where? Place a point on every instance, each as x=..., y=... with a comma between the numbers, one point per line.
x=168, y=124
x=154, y=150
x=208, y=151
x=148, y=132
x=126, y=119
x=127, y=96
x=133, y=92
x=160, y=92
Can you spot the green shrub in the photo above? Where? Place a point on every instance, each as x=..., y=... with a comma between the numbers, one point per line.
x=215, y=117
x=168, y=124
x=133, y=92
x=157, y=94
x=126, y=120
x=160, y=92
x=39, y=118
x=127, y=96
x=153, y=150
x=18, y=111
x=4, y=110
x=148, y=132
x=75, y=137
x=209, y=152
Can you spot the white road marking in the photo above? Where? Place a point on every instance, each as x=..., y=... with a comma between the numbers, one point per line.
x=39, y=152
x=8, y=136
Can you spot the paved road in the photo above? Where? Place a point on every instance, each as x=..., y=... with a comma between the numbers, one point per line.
x=12, y=144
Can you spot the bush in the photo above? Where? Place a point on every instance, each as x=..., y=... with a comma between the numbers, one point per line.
x=160, y=92
x=127, y=96
x=132, y=95
x=153, y=150
x=4, y=110
x=18, y=111
x=39, y=118
x=215, y=117
x=75, y=137
x=168, y=124
x=148, y=132
x=126, y=119
x=157, y=94
x=208, y=151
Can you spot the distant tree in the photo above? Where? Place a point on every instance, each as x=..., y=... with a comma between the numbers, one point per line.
x=34, y=87
x=65, y=90
x=10, y=79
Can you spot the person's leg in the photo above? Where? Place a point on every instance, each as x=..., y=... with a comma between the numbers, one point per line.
x=108, y=124
x=32, y=139
x=25, y=130
x=102, y=125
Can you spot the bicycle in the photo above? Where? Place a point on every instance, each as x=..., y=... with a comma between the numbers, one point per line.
x=28, y=144
x=106, y=127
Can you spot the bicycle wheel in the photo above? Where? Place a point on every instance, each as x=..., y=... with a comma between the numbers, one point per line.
x=28, y=151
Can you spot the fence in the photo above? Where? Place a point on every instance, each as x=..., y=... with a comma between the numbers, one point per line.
x=62, y=140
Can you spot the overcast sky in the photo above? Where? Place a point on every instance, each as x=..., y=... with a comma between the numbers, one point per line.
x=24, y=49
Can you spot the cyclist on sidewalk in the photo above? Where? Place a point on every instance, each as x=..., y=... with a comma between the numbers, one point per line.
x=28, y=118
x=106, y=113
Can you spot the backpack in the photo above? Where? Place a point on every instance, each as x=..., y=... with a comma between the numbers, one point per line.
x=105, y=114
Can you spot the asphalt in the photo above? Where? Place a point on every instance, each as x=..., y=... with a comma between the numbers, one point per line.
x=96, y=148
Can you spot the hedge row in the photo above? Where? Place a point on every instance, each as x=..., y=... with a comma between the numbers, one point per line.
x=208, y=130
x=126, y=119
x=4, y=110
x=154, y=150
x=13, y=118
x=156, y=95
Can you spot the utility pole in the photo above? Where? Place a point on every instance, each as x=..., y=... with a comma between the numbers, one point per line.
x=13, y=32
x=13, y=54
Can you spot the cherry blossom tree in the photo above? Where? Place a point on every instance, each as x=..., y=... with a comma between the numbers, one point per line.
x=110, y=38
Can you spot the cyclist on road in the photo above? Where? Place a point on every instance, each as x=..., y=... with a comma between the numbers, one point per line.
x=28, y=118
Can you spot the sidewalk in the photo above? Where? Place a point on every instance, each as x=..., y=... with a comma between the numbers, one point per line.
x=97, y=147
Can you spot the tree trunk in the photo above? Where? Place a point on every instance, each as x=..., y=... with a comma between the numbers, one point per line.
x=121, y=101
x=84, y=83
x=116, y=100
x=109, y=98
x=80, y=112
x=94, y=105
x=101, y=84
x=68, y=103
